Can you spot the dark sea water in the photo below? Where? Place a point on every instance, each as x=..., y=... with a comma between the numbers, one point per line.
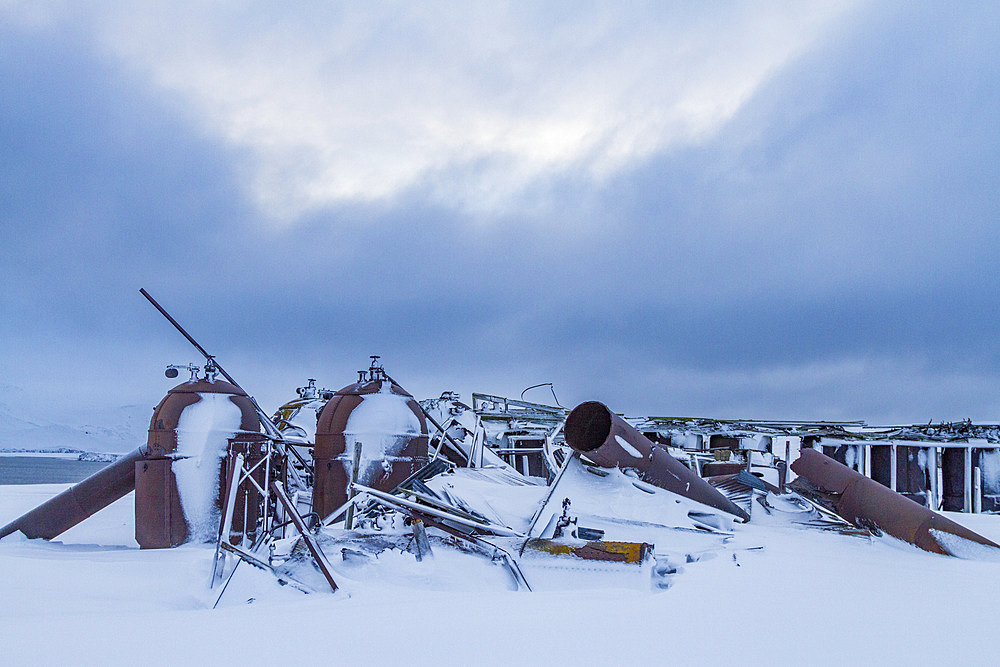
x=45, y=470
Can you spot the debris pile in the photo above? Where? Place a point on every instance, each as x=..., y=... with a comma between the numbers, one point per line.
x=341, y=489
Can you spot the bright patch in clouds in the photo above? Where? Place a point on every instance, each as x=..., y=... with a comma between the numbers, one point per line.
x=471, y=102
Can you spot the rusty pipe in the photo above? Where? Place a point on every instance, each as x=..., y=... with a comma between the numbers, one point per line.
x=609, y=441
x=83, y=499
x=868, y=504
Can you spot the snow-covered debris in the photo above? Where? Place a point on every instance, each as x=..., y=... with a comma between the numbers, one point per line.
x=383, y=422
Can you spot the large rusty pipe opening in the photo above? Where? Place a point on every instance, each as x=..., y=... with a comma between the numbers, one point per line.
x=588, y=426
x=607, y=440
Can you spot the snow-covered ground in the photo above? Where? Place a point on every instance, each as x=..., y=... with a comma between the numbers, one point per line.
x=92, y=597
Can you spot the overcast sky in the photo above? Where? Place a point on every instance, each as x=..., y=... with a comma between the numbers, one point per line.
x=770, y=210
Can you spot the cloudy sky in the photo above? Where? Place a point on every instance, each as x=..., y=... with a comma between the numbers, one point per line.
x=772, y=210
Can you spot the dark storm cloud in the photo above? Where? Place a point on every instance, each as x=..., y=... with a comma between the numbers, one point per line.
x=104, y=189
x=101, y=181
x=828, y=254
x=848, y=213
x=104, y=184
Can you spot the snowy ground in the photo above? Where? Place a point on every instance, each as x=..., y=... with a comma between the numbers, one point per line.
x=92, y=597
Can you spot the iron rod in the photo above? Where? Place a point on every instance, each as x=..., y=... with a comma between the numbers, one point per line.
x=265, y=421
x=300, y=525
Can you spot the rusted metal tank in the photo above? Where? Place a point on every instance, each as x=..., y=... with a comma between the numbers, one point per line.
x=80, y=501
x=609, y=441
x=868, y=504
x=160, y=520
x=150, y=470
x=296, y=419
x=388, y=424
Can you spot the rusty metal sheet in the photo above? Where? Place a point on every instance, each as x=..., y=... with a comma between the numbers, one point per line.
x=609, y=441
x=163, y=425
x=953, y=479
x=868, y=504
x=719, y=468
x=615, y=552
x=159, y=518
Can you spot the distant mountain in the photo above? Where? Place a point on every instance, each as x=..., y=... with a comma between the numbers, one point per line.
x=116, y=430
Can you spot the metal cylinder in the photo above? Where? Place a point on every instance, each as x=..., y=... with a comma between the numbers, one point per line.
x=609, y=441
x=868, y=504
x=159, y=517
x=392, y=431
x=160, y=520
x=80, y=501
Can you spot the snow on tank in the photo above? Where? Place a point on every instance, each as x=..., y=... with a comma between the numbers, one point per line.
x=189, y=432
x=384, y=420
x=296, y=419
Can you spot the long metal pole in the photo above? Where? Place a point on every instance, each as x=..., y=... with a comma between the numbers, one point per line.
x=548, y=497
x=893, y=466
x=967, y=478
x=272, y=430
x=300, y=525
x=233, y=471
x=355, y=465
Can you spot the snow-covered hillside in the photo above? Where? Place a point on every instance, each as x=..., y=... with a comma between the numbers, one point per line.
x=27, y=426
